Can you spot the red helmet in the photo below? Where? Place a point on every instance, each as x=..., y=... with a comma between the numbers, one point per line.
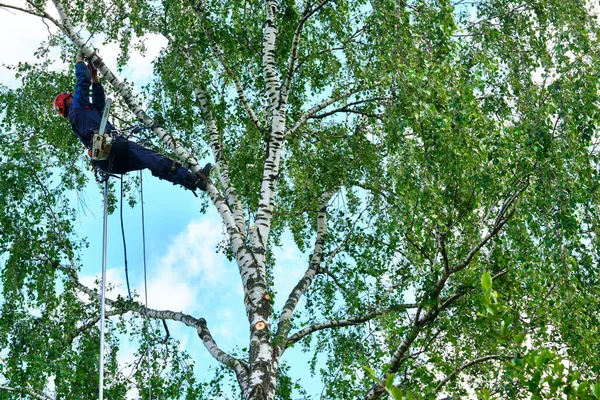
x=59, y=103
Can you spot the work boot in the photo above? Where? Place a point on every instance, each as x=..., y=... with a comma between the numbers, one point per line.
x=203, y=177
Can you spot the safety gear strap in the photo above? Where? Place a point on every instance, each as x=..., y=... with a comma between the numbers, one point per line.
x=173, y=168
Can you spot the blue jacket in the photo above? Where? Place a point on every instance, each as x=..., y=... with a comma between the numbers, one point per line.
x=85, y=116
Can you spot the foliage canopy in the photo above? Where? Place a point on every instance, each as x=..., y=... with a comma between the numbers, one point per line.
x=437, y=159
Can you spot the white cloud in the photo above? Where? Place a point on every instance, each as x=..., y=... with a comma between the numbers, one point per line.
x=193, y=252
x=226, y=325
x=20, y=36
x=169, y=291
x=189, y=270
x=139, y=67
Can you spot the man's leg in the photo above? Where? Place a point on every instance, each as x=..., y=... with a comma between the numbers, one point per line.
x=162, y=167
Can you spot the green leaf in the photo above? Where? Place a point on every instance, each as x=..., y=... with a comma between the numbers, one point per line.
x=486, y=281
x=541, y=358
x=389, y=381
x=597, y=390
x=485, y=394
x=519, y=338
x=396, y=393
x=370, y=372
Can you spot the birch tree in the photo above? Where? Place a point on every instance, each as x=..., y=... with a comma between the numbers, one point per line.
x=435, y=160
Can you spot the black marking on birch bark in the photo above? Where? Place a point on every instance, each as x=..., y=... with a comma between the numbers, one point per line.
x=261, y=336
x=263, y=308
x=256, y=283
x=257, y=393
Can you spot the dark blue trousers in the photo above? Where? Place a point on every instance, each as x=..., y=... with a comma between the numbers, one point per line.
x=127, y=156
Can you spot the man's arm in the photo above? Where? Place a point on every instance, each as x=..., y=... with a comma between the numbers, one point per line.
x=98, y=96
x=81, y=98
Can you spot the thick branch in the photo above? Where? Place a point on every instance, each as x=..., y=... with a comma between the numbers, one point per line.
x=222, y=207
x=66, y=26
x=28, y=391
x=284, y=325
x=257, y=294
x=121, y=306
x=217, y=149
x=240, y=369
x=270, y=73
x=125, y=306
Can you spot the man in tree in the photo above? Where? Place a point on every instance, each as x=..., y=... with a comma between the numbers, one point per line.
x=125, y=156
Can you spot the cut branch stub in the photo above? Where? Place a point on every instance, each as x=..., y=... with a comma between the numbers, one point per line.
x=260, y=325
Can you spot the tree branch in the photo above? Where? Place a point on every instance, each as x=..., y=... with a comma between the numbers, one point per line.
x=501, y=219
x=92, y=322
x=354, y=103
x=379, y=388
x=315, y=109
x=349, y=111
x=199, y=8
x=284, y=325
x=217, y=149
x=67, y=28
x=268, y=55
x=296, y=46
x=346, y=322
x=258, y=298
x=465, y=366
x=28, y=391
x=122, y=306
x=237, y=241
x=240, y=368
x=2, y=5
x=445, y=303
x=131, y=102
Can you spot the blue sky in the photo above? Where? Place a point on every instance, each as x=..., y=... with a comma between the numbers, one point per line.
x=184, y=271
